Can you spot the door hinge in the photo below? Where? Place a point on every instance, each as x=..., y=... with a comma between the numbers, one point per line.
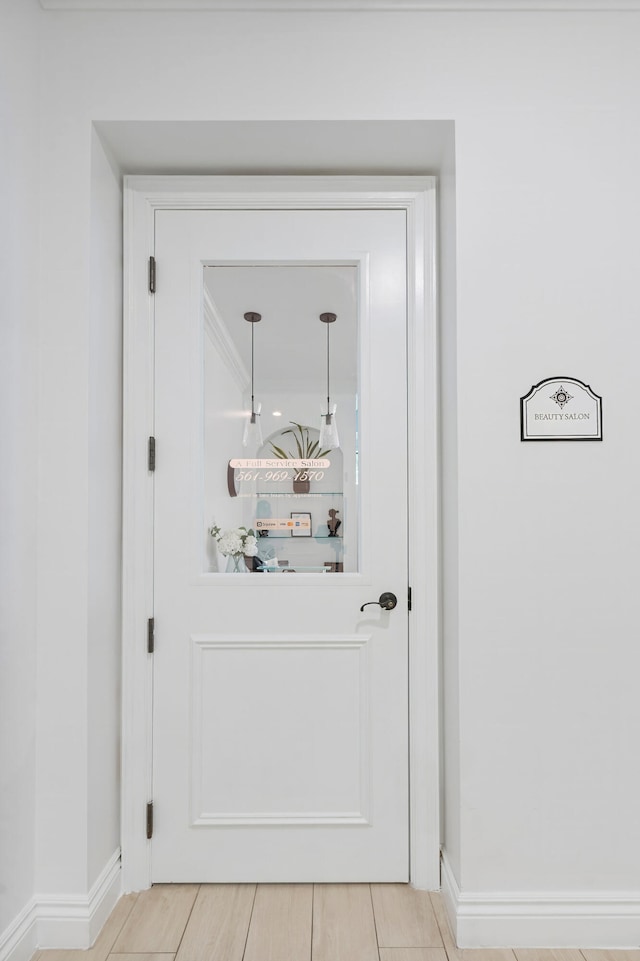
x=149, y=820
x=409, y=599
x=152, y=275
x=152, y=454
x=151, y=635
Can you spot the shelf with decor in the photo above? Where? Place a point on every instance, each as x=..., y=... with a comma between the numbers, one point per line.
x=296, y=510
x=312, y=537
x=288, y=494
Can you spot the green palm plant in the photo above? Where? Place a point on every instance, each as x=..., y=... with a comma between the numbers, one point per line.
x=305, y=447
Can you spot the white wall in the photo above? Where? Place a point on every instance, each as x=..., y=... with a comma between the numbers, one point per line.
x=449, y=656
x=18, y=434
x=541, y=659
x=105, y=512
x=546, y=249
x=80, y=508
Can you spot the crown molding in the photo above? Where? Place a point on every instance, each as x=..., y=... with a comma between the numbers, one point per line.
x=218, y=333
x=339, y=6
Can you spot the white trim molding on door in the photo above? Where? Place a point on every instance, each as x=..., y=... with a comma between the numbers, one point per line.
x=416, y=196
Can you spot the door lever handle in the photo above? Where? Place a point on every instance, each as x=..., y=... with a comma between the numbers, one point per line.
x=387, y=601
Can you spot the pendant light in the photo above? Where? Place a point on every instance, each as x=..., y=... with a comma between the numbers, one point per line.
x=252, y=436
x=329, y=439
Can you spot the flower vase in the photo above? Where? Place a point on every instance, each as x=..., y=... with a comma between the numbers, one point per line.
x=236, y=564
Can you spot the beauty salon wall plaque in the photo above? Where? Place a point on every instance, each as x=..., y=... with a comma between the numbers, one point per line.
x=561, y=408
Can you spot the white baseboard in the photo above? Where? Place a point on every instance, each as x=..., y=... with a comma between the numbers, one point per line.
x=20, y=940
x=541, y=919
x=49, y=921
x=75, y=922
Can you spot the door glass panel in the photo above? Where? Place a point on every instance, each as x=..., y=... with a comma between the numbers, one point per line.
x=297, y=496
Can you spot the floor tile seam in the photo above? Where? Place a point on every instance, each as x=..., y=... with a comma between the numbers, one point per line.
x=253, y=904
x=413, y=947
x=375, y=922
x=307, y=926
x=452, y=954
x=110, y=951
x=184, y=930
x=313, y=913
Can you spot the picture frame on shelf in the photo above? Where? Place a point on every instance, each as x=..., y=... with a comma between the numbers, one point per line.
x=301, y=524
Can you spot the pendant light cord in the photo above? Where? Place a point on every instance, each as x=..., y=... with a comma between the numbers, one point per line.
x=328, y=392
x=252, y=317
x=252, y=397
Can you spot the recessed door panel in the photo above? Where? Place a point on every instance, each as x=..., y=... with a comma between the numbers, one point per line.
x=288, y=760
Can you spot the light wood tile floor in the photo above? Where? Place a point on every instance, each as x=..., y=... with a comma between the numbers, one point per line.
x=292, y=922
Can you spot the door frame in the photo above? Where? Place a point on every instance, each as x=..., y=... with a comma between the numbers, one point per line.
x=143, y=196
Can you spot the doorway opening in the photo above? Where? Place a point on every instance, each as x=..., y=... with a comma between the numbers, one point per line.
x=148, y=200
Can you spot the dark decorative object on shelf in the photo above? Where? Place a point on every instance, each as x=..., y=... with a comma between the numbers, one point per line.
x=231, y=480
x=301, y=486
x=334, y=522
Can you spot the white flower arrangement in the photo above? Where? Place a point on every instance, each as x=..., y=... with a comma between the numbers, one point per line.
x=235, y=541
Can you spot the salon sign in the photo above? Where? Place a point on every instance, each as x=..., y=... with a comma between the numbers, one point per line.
x=561, y=408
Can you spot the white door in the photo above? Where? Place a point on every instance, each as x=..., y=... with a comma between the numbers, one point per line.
x=280, y=735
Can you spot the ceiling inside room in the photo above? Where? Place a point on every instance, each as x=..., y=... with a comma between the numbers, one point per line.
x=290, y=341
